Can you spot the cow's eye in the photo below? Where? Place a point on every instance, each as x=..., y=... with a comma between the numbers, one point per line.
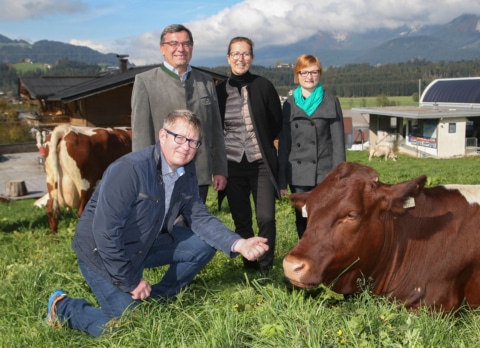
x=353, y=215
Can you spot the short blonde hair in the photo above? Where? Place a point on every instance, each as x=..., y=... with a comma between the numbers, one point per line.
x=305, y=60
x=185, y=115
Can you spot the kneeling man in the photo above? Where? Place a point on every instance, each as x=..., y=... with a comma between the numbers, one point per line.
x=128, y=225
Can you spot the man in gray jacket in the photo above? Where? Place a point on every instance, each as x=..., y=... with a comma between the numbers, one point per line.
x=175, y=85
x=128, y=226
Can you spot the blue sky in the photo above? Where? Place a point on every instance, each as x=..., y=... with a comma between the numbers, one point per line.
x=133, y=27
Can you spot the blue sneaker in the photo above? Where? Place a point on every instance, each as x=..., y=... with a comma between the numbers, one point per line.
x=56, y=296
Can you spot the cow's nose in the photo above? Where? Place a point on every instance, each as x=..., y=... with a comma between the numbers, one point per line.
x=298, y=267
x=293, y=267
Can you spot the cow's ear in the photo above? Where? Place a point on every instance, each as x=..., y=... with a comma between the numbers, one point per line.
x=299, y=199
x=402, y=196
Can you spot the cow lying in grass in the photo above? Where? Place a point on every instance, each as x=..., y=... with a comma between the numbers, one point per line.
x=418, y=245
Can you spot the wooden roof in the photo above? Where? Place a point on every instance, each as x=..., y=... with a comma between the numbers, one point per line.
x=46, y=86
x=70, y=88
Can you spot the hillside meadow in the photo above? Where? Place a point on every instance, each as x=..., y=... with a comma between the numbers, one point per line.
x=224, y=306
x=22, y=68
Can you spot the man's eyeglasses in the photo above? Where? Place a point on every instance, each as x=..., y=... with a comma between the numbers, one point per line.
x=175, y=44
x=237, y=55
x=313, y=73
x=180, y=139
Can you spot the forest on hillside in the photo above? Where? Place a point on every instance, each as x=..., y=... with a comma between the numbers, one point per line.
x=364, y=80
x=350, y=81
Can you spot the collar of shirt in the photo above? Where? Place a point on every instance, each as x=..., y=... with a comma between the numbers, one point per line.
x=172, y=69
x=167, y=172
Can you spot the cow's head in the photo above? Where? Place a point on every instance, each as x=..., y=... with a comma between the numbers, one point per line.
x=345, y=227
x=392, y=156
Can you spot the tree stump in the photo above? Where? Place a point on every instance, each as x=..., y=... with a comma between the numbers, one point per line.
x=16, y=188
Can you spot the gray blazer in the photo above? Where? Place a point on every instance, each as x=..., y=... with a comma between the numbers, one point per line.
x=158, y=92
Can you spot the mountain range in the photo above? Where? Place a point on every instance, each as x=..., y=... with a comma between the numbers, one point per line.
x=454, y=41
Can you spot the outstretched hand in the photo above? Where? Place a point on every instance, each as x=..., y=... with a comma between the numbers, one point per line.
x=251, y=248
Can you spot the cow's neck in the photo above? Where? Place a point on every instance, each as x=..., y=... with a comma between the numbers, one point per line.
x=386, y=272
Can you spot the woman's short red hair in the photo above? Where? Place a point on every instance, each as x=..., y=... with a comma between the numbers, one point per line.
x=304, y=61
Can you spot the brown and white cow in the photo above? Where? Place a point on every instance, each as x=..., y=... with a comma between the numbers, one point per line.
x=419, y=245
x=75, y=159
x=385, y=151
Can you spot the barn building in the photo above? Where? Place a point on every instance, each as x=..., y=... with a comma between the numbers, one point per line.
x=93, y=101
x=446, y=123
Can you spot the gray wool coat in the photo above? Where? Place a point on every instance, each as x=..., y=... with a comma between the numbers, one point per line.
x=158, y=92
x=310, y=147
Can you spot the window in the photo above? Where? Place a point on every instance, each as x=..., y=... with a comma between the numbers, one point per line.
x=452, y=128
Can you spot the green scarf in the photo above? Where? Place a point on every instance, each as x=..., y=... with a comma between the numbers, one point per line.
x=310, y=104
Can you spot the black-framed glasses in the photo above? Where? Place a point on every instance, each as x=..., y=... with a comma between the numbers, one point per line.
x=181, y=139
x=237, y=55
x=175, y=44
x=313, y=73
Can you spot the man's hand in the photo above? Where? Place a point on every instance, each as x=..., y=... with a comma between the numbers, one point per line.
x=219, y=182
x=142, y=291
x=251, y=248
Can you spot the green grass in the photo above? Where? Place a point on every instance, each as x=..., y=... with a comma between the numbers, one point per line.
x=22, y=68
x=348, y=103
x=224, y=306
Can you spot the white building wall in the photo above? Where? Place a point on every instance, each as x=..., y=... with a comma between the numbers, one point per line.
x=451, y=137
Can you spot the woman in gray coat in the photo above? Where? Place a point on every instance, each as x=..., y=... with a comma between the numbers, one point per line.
x=311, y=142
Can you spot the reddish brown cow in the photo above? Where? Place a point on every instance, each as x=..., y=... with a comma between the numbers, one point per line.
x=79, y=157
x=419, y=245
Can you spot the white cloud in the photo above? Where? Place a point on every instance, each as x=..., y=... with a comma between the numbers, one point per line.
x=270, y=22
x=143, y=49
x=31, y=9
x=266, y=22
x=91, y=44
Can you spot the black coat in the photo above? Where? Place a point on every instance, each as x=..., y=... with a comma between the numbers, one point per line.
x=266, y=114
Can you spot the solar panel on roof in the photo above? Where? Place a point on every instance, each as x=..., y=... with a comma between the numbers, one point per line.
x=453, y=91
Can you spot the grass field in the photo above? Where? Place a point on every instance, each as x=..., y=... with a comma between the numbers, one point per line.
x=348, y=103
x=22, y=68
x=224, y=306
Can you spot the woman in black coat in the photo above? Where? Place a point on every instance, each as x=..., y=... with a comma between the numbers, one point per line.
x=252, y=118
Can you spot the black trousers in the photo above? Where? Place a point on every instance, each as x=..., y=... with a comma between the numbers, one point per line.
x=245, y=179
x=300, y=221
x=203, y=190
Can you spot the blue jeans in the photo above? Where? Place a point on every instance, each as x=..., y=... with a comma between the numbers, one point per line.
x=186, y=254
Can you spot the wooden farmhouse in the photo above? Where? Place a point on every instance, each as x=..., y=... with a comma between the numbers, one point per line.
x=94, y=101
x=446, y=123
